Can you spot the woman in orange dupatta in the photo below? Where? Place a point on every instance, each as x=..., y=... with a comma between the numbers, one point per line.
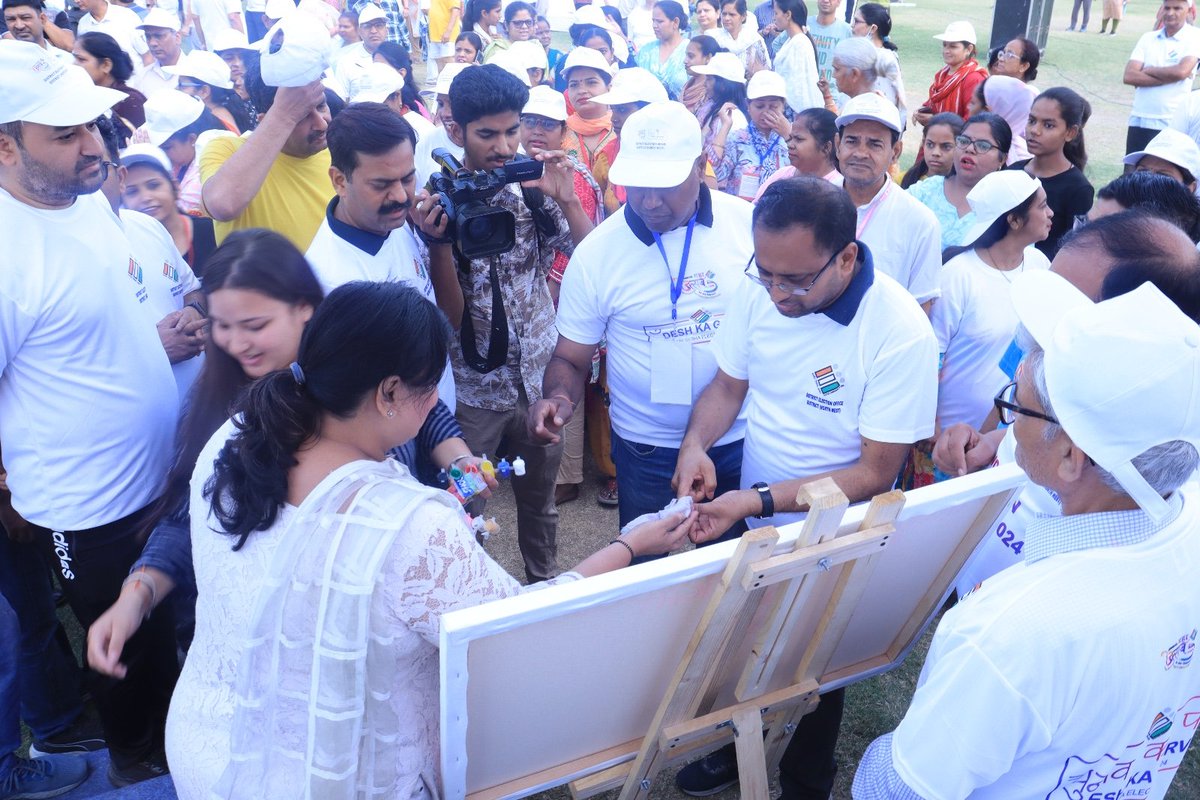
x=954, y=83
x=589, y=136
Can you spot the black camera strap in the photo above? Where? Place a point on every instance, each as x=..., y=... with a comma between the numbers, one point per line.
x=497, y=351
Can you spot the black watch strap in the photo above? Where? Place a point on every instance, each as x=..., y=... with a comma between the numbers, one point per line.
x=768, y=502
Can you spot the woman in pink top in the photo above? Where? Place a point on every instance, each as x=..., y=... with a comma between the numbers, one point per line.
x=811, y=149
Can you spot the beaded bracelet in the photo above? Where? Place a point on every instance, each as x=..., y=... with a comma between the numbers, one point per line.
x=625, y=544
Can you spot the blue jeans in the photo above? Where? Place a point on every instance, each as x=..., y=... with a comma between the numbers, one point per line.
x=48, y=677
x=10, y=701
x=644, y=473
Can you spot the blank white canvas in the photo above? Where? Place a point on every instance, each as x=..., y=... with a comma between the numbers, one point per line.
x=539, y=680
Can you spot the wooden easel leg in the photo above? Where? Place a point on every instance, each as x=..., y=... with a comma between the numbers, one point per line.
x=751, y=758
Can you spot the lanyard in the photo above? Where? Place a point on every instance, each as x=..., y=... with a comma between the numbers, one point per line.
x=762, y=153
x=875, y=204
x=677, y=285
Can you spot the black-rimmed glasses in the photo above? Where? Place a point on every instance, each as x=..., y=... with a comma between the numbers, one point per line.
x=982, y=146
x=1008, y=408
x=752, y=272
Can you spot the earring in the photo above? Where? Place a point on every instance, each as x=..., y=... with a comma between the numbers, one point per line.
x=391, y=413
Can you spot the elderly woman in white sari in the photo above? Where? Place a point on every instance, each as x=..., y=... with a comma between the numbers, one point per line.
x=330, y=567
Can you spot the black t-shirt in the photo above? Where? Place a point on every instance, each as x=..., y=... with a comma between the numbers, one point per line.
x=1069, y=194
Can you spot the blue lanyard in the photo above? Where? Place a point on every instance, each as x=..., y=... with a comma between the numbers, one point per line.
x=770, y=145
x=677, y=285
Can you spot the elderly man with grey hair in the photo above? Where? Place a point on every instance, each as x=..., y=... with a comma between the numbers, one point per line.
x=1073, y=670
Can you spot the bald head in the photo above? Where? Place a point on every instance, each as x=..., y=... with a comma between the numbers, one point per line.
x=1117, y=253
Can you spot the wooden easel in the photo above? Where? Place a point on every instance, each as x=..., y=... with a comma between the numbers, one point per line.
x=760, y=722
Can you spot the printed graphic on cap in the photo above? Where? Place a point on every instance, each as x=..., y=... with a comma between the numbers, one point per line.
x=1179, y=655
x=827, y=380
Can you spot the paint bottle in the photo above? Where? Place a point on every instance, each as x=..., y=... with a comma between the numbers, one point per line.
x=518, y=466
x=461, y=483
x=486, y=467
x=504, y=469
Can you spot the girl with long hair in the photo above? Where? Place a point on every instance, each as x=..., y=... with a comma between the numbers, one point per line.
x=700, y=51
x=937, y=149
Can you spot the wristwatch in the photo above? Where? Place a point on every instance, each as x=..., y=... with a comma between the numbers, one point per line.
x=768, y=502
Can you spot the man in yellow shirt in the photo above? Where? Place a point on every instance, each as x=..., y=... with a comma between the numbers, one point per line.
x=278, y=177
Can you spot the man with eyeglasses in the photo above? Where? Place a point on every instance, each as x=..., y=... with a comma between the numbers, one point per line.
x=903, y=234
x=161, y=28
x=655, y=280
x=1070, y=674
x=819, y=348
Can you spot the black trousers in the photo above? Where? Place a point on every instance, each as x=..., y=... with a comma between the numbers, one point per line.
x=91, y=566
x=808, y=767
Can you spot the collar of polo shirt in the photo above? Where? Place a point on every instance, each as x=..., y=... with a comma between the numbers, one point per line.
x=366, y=241
x=845, y=307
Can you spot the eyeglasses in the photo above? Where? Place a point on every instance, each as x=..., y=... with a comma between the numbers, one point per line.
x=1008, y=408
x=786, y=286
x=522, y=23
x=982, y=146
x=1008, y=54
x=106, y=168
x=540, y=123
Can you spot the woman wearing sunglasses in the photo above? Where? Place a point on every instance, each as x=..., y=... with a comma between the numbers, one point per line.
x=980, y=150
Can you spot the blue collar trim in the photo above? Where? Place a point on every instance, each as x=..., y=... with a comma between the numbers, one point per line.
x=366, y=241
x=843, y=310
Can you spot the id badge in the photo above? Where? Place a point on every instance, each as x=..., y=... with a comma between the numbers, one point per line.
x=670, y=372
x=751, y=180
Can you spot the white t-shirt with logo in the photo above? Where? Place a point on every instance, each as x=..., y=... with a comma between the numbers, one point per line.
x=337, y=260
x=88, y=404
x=1075, y=676
x=905, y=239
x=617, y=286
x=161, y=281
x=1156, y=49
x=818, y=385
x=974, y=322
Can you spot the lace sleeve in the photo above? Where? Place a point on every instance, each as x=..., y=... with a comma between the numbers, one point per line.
x=436, y=566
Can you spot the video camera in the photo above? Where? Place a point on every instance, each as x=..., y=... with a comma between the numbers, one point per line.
x=476, y=228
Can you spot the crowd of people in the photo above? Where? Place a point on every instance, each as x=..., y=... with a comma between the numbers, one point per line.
x=278, y=312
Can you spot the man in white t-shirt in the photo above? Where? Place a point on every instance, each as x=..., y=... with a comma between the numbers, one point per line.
x=88, y=404
x=904, y=236
x=352, y=61
x=366, y=235
x=161, y=29
x=26, y=21
x=1071, y=674
x=1160, y=69
x=817, y=347
x=210, y=17
x=1106, y=258
x=655, y=281
x=119, y=23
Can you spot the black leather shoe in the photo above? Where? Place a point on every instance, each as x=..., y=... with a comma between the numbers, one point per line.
x=715, y=772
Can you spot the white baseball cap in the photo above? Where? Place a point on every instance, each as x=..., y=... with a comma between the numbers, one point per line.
x=870, y=106
x=371, y=12
x=278, y=9
x=659, y=147
x=160, y=18
x=586, y=57
x=377, y=83
x=723, y=65
x=168, y=112
x=590, y=15
x=766, y=83
x=633, y=85
x=529, y=54
x=1174, y=146
x=995, y=195
x=961, y=31
x=295, y=52
x=142, y=153
x=546, y=101
x=505, y=61
x=204, y=66
x=230, y=39
x=35, y=87
x=1123, y=375
x=447, y=74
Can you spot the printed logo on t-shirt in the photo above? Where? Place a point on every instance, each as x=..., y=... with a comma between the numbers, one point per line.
x=1134, y=772
x=696, y=329
x=827, y=380
x=703, y=285
x=170, y=273
x=419, y=268
x=1179, y=655
x=135, y=270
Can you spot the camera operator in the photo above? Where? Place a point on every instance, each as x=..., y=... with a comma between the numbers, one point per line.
x=507, y=331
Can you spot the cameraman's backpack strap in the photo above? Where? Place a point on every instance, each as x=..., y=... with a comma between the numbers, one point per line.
x=497, y=352
x=542, y=221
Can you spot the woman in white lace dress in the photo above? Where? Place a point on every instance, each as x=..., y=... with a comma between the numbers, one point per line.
x=323, y=569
